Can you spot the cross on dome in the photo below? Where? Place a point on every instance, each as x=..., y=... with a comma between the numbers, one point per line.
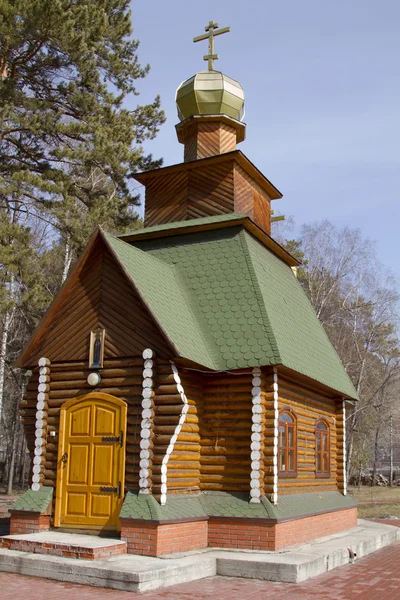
x=212, y=29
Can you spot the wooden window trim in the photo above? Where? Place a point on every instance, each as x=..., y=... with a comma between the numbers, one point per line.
x=327, y=433
x=288, y=474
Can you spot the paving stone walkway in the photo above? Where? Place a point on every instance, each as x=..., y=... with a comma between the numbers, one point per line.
x=375, y=577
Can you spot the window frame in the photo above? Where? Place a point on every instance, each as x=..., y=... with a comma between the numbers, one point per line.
x=322, y=453
x=287, y=448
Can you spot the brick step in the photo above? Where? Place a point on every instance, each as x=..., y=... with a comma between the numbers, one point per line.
x=69, y=545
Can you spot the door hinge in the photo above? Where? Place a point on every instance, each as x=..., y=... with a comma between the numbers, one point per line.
x=112, y=490
x=114, y=438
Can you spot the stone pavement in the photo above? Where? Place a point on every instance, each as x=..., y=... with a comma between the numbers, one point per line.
x=375, y=577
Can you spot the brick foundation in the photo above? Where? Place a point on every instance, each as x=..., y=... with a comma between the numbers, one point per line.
x=67, y=550
x=27, y=522
x=154, y=539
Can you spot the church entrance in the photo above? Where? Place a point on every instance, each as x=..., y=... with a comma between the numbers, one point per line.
x=91, y=462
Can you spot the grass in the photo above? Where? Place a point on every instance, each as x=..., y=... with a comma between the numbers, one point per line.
x=372, y=494
x=378, y=511
x=373, y=504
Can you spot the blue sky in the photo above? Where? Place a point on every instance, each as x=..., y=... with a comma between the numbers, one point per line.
x=322, y=85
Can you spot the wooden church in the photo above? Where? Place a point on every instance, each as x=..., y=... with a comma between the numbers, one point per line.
x=183, y=392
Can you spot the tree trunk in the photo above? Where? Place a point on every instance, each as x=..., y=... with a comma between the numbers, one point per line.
x=391, y=451
x=376, y=451
x=12, y=467
x=3, y=355
x=67, y=258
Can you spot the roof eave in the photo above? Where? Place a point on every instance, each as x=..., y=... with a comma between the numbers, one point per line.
x=248, y=224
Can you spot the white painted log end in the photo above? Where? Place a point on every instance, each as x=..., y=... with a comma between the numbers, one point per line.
x=147, y=353
x=44, y=362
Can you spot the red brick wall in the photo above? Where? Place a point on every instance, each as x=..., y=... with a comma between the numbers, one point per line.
x=310, y=528
x=155, y=540
x=253, y=535
x=25, y=522
x=247, y=535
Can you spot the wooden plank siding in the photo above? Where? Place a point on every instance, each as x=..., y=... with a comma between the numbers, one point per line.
x=208, y=139
x=204, y=191
x=309, y=406
x=101, y=297
x=252, y=200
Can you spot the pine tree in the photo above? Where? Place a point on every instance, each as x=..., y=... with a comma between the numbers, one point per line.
x=68, y=147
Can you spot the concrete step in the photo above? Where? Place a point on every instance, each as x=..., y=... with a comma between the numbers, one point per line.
x=68, y=545
x=299, y=563
x=130, y=572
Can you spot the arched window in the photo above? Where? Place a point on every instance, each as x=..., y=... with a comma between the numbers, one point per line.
x=322, y=445
x=287, y=444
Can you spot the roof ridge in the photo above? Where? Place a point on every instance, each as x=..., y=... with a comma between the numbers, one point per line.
x=260, y=299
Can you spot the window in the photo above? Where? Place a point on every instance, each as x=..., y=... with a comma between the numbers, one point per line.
x=322, y=461
x=96, y=349
x=287, y=444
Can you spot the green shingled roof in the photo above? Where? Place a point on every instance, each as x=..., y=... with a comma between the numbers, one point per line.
x=32, y=501
x=226, y=302
x=234, y=505
x=163, y=290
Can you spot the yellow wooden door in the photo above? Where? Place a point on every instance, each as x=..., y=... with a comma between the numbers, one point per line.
x=91, y=462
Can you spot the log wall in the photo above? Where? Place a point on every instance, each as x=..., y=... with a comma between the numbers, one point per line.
x=120, y=377
x=268, y=396
x=308, y=406
x=184, y=462
x=340, y=451
x=213, y=449
x=225, y=424
x=100, y=297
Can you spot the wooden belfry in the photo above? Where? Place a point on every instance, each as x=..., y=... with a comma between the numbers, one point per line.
x=181, y=378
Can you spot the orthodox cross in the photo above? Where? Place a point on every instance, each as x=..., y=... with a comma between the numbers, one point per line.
x=213, y=30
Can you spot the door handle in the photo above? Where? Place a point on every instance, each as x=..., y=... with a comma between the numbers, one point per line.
x=64, y=457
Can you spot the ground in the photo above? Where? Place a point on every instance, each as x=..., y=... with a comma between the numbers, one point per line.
x=377, y=502
x=375, y=577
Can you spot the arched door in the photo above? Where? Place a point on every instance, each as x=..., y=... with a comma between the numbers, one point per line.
x=91, y=462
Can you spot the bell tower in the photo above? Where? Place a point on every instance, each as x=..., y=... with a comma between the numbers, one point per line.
x=215, y=178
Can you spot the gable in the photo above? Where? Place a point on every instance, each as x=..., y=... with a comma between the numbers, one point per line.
x=100, y=296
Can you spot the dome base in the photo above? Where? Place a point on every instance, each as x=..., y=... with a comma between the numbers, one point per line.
x=209, y=135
